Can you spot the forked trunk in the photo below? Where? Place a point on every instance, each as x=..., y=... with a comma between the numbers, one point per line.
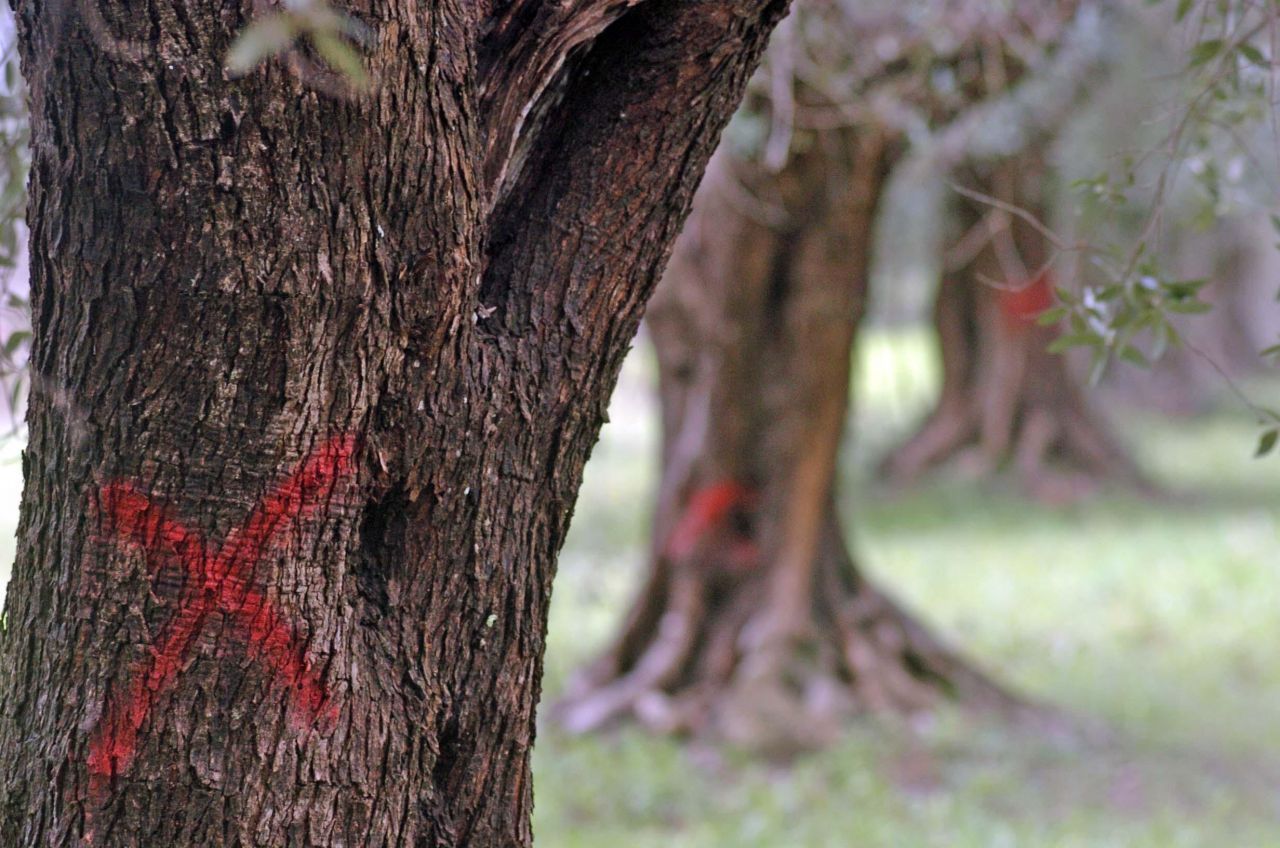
x=314, y=381
x=753, y=623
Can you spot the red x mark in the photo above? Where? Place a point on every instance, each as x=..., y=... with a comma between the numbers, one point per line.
x=217, y=581
x=709, y=510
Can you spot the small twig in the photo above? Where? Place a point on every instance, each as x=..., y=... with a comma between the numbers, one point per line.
x=967, y=247
x=1038, y=225
x=1264, y=414
x=782, y=103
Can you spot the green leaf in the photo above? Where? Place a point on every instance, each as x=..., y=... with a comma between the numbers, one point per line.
x=1269, y=351
x=1184, y=6
x=342, y=57
x=1051, y=316
x=1189, y=307
x=259, y=41
x=15, y=341
x=1132, y=355
x=1184, y=288
x=1098, y=368
x=1070, y=340
x=1204, y=51
x=1266, y=442
x=1253, y=54
x=1162, y=337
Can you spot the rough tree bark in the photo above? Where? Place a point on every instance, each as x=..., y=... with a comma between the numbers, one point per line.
x=315, y=380
x=1005, y=399
x=753, y=623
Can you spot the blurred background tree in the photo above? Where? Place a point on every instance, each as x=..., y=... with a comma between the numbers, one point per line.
x=1008, y=397
x=1032, y=190
x=753, y=622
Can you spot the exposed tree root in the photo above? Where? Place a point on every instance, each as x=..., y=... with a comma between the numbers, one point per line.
x=705, y=654
x=1007, y=402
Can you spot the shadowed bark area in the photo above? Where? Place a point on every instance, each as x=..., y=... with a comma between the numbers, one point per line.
x=1006, y=401
x=314, y=381
x=753, y=623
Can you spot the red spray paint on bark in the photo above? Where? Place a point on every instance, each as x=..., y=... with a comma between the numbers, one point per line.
x=1022, y=305
x=218, y=581
x=706, y=512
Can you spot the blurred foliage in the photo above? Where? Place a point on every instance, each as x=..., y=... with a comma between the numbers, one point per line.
x=964, y=82
x=1201, y=151
x=15, y=320
x=950, y=82
x=328, y=31
x=903, y=69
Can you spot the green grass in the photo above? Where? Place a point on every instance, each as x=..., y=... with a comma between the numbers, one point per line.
x=1159, y=619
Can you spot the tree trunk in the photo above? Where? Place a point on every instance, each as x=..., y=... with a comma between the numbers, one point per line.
x=1005, y=399
x=753, y=623
x=314, y=383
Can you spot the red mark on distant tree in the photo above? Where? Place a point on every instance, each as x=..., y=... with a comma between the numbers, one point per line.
x=1022, y=305
x=710, y=510
x=218, y=582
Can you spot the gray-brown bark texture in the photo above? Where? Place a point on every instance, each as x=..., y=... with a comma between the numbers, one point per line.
x=753, y=623
x=315, y=380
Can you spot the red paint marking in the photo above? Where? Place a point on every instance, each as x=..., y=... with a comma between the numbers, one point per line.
x=707, y=510
x=218, y=581
x=1022, y=305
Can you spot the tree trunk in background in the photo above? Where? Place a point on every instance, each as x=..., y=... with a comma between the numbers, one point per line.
x=753, y=622
x=1006, y=400
x=314, y=383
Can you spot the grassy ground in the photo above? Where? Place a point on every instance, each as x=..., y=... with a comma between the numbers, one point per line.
x=1161, y=619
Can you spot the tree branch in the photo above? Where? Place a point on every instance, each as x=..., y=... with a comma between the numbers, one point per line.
x=523, y=48
x=630, y=131
x=1027, y=114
